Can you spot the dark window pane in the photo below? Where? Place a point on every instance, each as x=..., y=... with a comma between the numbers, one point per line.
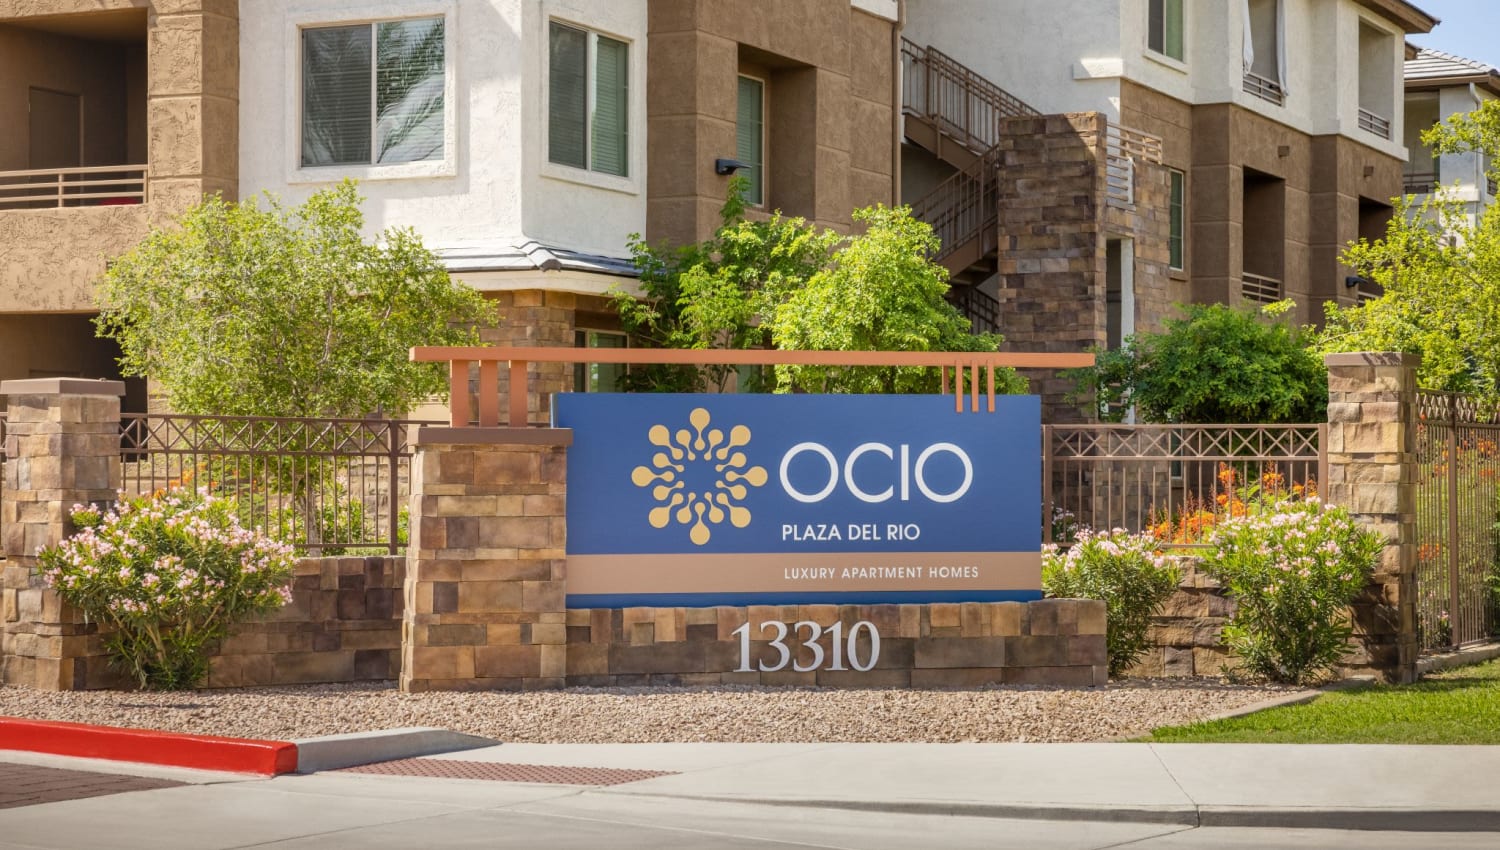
x=336, y=95
x=567, y=96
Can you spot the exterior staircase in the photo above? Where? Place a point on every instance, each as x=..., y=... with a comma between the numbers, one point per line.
x=960, y=117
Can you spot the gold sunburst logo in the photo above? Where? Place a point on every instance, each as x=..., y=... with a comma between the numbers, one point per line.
x=716, y=458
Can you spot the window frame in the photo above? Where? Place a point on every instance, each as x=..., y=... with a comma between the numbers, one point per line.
x=765, y=135
x=630, y=182
x=371, y=14
x=1177, y=178
x=1178, y=62
x=582, y=335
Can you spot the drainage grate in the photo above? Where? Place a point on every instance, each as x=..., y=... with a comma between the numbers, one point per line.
x=499, y=772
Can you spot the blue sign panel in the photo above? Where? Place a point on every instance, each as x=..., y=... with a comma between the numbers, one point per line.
x=800, y=499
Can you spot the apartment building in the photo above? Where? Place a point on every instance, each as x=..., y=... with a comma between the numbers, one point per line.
x=1439, y=86
x=1280, y=127
x=524, y=140
x=115, y=115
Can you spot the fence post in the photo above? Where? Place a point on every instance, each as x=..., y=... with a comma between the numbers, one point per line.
x=1372, y=456
x=62, y=447
x=486, y=563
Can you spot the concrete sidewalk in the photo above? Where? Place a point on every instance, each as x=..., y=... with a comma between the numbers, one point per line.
x=765, y=796
x=1418, y=788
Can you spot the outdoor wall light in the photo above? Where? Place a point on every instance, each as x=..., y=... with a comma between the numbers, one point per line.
x=1354, y=280
x=724, y=167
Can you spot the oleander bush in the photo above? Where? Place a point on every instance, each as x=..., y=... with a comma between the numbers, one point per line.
x=1293, y=567
x=167, y=576
x=1127, y=571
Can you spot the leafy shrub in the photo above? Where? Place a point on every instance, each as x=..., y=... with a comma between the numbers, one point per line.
x=1216, y=364
x=1127, y=571
x=1293, y=567
x=167, y=576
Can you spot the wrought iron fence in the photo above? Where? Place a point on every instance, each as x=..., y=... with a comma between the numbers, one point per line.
x=1171, y=479
x=329, y=486
x=1458, y=464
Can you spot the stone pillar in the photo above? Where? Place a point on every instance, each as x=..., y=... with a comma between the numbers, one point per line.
x=62, y=447
x=484, y=605
x=1372, y=459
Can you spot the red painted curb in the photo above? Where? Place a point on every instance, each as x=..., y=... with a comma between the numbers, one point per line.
x=203, y=752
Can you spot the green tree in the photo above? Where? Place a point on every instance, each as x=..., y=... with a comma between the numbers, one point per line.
x=1440, y=272
x=878, y=292
x=243, y=309
x=1215, y=364
x=709, y=294
x=786, y=283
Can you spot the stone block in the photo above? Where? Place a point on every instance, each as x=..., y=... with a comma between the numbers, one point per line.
x=945, y=615
x=507, y=661
x=309, y=667
x=960, y=652
x=957, y=677
x=1036, y=651
x=1071, y=677
x=485, y=596
x=683, y=657
x=454, y=635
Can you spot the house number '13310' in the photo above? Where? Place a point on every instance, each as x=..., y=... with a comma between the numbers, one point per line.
x=839, y=647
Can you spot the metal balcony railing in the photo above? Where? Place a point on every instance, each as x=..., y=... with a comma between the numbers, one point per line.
x=981, y=308
x=1264, y=88
x=1123, y=148
x=1420, y=182
x=1260, y=289
x=959, y=102
x=1372, y=123
x=100, y=185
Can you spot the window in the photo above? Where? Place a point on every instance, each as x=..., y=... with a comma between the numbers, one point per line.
x=1263, y=57
x=1175, y=227
x=598, y=377
x=750, y=137
x=1164, y=28
x=588, y=87
x=373, y=93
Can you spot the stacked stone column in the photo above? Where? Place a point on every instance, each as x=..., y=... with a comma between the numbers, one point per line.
x=1372, y=461
x=62, y=448
x=484, y=606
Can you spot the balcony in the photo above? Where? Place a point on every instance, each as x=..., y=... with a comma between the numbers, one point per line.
x=99, y=186
x=1420, y=182
x=1372, y=123
x=1261, y=290
x=1266, y=89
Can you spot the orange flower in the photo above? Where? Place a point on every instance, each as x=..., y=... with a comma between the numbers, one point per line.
x=1226, y=475
x=1222, y=499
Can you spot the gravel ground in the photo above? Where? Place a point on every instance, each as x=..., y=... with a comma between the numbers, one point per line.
x=631, y=715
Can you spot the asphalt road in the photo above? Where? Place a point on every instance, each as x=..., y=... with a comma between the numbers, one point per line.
x=341, y=810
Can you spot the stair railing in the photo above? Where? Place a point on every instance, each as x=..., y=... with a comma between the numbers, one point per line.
x=961, y=103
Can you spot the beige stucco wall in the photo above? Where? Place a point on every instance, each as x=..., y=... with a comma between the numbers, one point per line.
x=1322, y=179
x=830, y=119
x=92, y=70
x=50, y=259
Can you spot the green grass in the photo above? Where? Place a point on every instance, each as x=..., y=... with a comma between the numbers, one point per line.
x=1459, y=706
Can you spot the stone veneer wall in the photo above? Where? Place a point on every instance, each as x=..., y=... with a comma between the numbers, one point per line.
x=344, y=625
x=1051, y=267
x=1186, y=638
x=1052, y=641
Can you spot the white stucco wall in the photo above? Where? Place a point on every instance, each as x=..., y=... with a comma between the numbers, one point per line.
x=1069, y=55
x=1030, y=47
x=487, y=192
x=571, y=207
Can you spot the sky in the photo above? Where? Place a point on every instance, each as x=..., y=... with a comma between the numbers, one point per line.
x=1469, y=28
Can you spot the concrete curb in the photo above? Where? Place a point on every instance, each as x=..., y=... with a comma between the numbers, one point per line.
x=1461, y=658
x=1379, y=819
x=333, y=752
x=146, y=746
x=1294, y=698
